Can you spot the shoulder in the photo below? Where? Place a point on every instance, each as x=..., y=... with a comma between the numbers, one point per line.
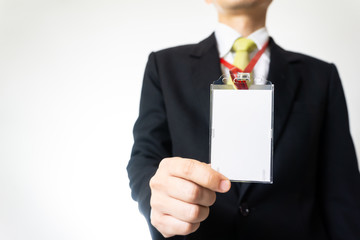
x=176, y=53
x=308, y=59
x=305, y=60
x=177, y=50
x=309, y=70
x=187, y=50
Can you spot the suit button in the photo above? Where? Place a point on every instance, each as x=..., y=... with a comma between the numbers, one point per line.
x=244, y=209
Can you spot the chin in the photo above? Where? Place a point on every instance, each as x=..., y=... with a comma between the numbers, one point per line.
x=242, y=4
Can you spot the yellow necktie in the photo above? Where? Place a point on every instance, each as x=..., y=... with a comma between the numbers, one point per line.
x=242, y=48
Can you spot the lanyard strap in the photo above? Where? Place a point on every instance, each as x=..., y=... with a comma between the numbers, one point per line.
x=249, y=68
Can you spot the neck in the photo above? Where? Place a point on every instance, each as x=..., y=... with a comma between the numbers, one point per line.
x=244, y=23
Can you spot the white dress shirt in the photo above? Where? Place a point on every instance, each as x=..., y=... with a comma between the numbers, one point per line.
x=225, y=38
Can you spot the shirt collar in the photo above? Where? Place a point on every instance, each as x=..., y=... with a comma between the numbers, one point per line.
x=226, y=36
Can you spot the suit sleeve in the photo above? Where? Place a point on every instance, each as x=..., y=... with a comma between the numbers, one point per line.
x=340, y=178
x=152, y=141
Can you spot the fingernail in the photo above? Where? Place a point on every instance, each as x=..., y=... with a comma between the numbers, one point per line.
x=224, y=185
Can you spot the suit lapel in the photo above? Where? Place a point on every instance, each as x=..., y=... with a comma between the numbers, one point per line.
x=286, y=79
x=205, y=70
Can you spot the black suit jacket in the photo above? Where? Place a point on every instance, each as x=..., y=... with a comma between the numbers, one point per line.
x=316, y=189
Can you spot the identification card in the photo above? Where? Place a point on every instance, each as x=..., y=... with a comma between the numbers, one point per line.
x=241, y=132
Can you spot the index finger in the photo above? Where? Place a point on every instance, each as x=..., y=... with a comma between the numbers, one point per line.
x=199, y=173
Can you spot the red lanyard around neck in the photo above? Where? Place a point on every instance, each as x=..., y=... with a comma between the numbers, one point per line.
x=249, y=68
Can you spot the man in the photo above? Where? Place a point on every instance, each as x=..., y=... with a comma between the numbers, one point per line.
x=316, y=189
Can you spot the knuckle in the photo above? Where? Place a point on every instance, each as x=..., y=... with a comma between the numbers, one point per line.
x=154, y=219
x=152, y=182
x=209, y=179
x=194, y=193
x=193, y=212
x=188, y=168
x=155, y=182
x=206, y=213
x=187, y=228
x=165, y=235
x=152, y=202
x=158, y=222
x=164, y=163
x=190, y=228
x=212, y=198
x=156, y=201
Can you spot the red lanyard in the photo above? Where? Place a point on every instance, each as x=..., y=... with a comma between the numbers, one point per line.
x=249, y=68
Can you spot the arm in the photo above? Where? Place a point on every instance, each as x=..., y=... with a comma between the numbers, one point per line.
x=340, y=179
x=151, y=139
x=180, y=190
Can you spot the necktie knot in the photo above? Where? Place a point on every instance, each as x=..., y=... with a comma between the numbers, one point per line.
x=243, y=44
x=242, y=48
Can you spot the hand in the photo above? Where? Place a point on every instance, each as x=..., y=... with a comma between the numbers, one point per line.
x=182, y=190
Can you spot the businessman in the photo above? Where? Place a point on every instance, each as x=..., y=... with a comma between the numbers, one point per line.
x=316, y=183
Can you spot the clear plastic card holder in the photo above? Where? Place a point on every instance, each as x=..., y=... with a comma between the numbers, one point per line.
x=241, y=131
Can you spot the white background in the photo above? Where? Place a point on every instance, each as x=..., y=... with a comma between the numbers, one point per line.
x=70, y=79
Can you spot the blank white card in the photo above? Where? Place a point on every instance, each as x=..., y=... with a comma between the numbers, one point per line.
x=241, y=133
